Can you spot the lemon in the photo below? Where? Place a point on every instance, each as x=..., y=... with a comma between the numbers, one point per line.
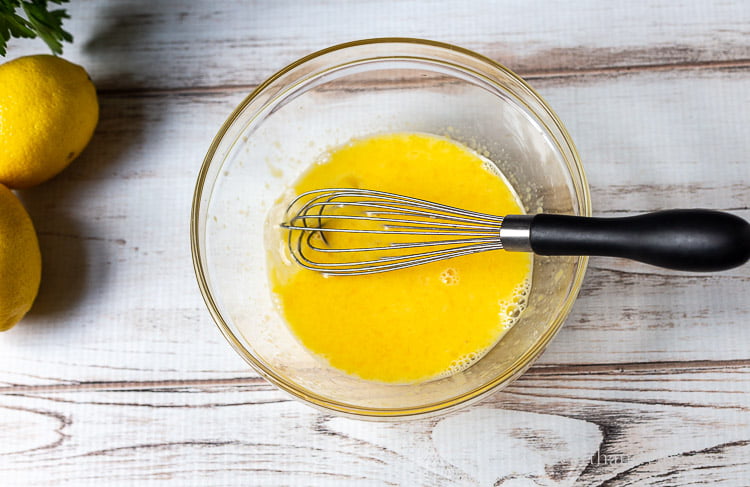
x=20, y=260
x=48, y=112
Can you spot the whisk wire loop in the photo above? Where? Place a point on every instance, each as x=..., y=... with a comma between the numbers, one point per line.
x=448, y=231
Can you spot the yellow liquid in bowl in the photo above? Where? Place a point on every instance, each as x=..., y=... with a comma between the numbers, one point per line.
x=419, y=323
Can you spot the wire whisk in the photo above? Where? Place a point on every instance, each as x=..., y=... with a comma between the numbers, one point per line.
x=349, y=231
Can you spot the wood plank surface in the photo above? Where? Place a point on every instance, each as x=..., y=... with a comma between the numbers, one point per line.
x=119, y=377
x=120, y=215
x=173, y=44
x=552, y=427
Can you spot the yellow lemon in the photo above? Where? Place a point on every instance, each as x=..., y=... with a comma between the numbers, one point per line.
x=20, y=260
x=48, y=112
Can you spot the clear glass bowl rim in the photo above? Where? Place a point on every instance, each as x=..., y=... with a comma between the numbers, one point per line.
x=331, y=406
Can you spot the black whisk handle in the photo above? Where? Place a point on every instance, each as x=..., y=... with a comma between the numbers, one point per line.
x=687, y=240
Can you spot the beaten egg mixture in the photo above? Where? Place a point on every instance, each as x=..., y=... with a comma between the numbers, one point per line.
x=419, y=323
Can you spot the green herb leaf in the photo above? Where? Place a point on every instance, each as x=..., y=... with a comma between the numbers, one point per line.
x=39, y=22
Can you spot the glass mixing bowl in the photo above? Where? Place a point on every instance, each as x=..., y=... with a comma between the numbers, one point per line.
x=354, y=90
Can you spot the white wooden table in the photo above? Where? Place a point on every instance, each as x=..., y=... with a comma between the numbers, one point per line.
x=119, y=377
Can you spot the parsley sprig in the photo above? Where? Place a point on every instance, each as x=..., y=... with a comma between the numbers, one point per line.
x=39, y=21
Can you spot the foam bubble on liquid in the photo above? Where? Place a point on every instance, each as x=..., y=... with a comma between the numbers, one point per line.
x=510, y=312
x=450, y=277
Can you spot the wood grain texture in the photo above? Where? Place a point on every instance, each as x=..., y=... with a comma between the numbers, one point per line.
x=552, y=427
x=172, y=44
